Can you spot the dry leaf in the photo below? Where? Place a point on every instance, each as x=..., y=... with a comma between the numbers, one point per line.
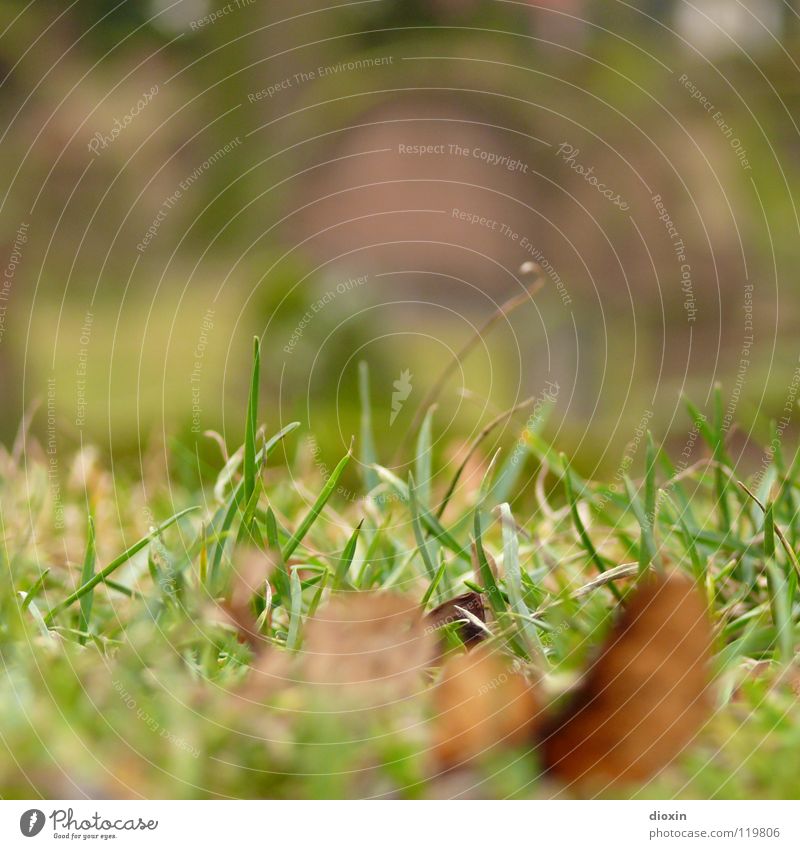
x=481, y=701
x=270, y=673
x=367, y=648
x=644, y=698
x=252, y=569
x=469, y=633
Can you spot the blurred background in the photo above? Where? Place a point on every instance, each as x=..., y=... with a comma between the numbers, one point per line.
x=364, y=181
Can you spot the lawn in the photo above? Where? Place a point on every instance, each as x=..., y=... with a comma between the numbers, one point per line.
x=257, y=634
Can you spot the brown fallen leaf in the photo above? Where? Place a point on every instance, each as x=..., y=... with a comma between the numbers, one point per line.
x=643, y=699
x=367, y=648
x=481, y=701
x=468, y=631
x=271, y=672
x=252, y=568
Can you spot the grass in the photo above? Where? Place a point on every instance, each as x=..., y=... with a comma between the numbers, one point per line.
x=124, y=674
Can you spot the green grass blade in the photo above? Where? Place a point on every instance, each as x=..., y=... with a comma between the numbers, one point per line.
x=121, y=588
x=222, y=535
x=424, y=459
x=769, y=532
x=346, y=558
x=87, y=573
x=203, y=562
x=721, y=457
x=508, y=475
x=676, y=486
x=514, y=464
x=650, y=480
x=431, y=523
x=248, y=527
x=701, y=422
x=282, y=581
x=496, y=600
x=781, y=610
x=40, y=621
x=312, y=608
x=583, y=535
x=116, y=563
x=785, y=495
x=698, y=563
x=316, y=509
x=295, y=611
x=275, y=439
x=235, y=500
x=437, y=578
x=419, y=536
x=35, y=589
x=379, y=537
x=715, y=437
x=513, y=572
x=511, y=469
x=251, y=425
x=790, y=552
x=486, y=482
x=647, y=543
x=367, y=454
